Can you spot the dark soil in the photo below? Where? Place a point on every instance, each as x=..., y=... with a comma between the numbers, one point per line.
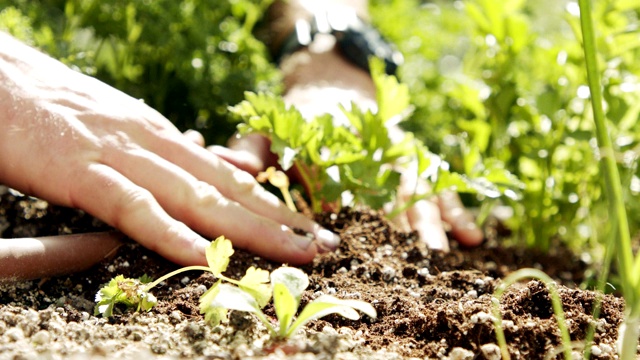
x=430, y=304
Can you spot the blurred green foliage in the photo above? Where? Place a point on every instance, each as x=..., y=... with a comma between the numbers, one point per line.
x=505, y=81
x=494, y=83
x=187, y=59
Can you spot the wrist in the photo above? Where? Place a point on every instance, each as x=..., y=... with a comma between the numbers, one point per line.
x=284, y=14
x=320, y=22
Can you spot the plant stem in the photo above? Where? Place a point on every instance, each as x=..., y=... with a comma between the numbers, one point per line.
x=612, y=176
x=556, y=303
x=173, y=273
x=628, y=266
x=611, y=173
x=287, y=199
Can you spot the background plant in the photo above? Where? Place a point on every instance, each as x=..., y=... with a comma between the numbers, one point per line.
x=506, y=79
x=188, y=59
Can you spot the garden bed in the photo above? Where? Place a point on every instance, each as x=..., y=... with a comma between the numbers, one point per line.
x=430, y=304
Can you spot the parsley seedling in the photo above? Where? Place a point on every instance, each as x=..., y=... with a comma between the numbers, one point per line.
x=357, y=159
x=251, y=293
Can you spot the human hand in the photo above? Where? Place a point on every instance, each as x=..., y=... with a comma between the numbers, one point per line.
x=318, y=81
x=74, y=141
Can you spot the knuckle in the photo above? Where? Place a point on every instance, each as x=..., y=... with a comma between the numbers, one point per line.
x=244, y=184
x=130, y=205
x=206, y=196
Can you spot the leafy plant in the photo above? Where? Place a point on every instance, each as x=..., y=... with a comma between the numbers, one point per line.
x=133, y=293
x=357, y=162
x=187, y=59
x=287, y=285
x=475, y=77
x=251, y=293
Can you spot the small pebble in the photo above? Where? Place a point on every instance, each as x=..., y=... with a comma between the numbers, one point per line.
x=491, y=351
x=459, y=353
x=14, y=334
x=42, y=337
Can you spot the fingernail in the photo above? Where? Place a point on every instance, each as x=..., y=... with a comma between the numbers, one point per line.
x=303, y=242
x=326, y=240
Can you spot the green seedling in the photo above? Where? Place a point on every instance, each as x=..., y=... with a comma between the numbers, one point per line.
x=353, y=160
x=332, y=159
x=135, y=293
x=250, y=294
x=132, y=293
x=280, y=180
x=287, y=284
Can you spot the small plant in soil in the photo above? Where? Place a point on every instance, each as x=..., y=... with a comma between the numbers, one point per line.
x=355, y=159
x=251, y=294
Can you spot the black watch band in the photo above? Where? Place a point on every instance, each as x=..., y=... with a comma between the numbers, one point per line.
x=356, y=39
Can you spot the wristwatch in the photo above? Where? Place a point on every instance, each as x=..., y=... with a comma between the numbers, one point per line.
x=356, y=39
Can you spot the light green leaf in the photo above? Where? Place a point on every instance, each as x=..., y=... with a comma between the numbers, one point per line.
x=218, y=254
x=147, y=301
x=285, y=305
x=232, y=297
x=392, y=96
x=256, y=282
x=293, y=278
x=213, y=316
x=327, y=304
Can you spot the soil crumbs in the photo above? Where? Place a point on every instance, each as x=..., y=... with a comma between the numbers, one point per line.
x=431, y=305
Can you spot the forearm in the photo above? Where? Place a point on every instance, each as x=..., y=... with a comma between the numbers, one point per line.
x=317, y=78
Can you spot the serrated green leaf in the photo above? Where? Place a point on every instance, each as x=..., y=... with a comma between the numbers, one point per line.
x=121, y=290
x=256, y=282
x=218, y=254
x=392, y=96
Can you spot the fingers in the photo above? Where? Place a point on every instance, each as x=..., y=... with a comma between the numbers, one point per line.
x=428, y=216
x=424, y=217
x=463, y=226
x=242, y=159
x=202, y=207
x=110, y=196
x=195, y=137
x=240, y=187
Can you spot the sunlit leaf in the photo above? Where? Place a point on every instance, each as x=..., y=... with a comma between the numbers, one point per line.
x=326, y=305
x=256, y=282
x=218, y=254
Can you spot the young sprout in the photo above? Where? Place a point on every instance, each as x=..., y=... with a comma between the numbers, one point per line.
x=280, y=180
x=250, y=294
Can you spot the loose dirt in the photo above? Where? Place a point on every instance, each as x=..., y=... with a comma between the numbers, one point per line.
x=430, y=304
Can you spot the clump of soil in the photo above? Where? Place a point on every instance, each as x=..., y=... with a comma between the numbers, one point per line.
x=430, y=304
